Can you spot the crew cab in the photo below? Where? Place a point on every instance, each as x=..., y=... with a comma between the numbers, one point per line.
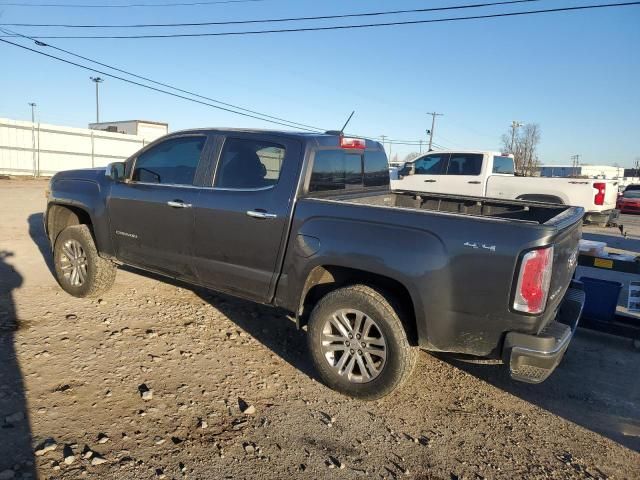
x=492, y=174
x=307, y=222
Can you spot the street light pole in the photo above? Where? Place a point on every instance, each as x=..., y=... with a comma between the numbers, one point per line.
x=97, y=81
x=33, y=136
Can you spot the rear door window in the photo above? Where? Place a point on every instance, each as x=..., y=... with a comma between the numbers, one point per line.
x=465, y=164
x=247, y=164
x=435, y=164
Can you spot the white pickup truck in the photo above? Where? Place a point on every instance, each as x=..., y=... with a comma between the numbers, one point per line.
x=492, y=174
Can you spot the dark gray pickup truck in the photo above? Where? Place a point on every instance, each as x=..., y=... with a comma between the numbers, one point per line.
x=307, y=222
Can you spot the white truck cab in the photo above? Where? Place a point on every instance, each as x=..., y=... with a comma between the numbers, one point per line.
x=492, y=174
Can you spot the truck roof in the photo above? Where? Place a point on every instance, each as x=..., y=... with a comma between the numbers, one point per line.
x=327, y=139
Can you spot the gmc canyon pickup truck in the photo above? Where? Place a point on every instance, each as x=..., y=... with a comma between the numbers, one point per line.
x=307, y=222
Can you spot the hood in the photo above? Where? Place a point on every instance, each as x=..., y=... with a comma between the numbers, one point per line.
x=93, y=174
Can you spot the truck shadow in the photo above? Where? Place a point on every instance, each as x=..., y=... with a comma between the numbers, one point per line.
x=39, y=237
x=15, y=433
x=270, y=326
x=592, y=387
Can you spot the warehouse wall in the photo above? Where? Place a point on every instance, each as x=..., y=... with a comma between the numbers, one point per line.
x=44, y=149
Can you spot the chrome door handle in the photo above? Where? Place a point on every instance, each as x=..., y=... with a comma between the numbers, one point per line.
x=179, y=204
x=257, y=214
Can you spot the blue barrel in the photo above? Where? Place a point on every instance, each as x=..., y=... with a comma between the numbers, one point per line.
x=601, y=298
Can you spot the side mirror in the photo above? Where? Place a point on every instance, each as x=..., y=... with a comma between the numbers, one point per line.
x=406, y=170
x=115, y=171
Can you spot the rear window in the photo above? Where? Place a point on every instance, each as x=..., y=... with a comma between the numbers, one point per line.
x=344, y=169
x=465, y=164
x=503, y=165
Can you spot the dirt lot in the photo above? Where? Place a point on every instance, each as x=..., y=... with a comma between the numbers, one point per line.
x=71, y=370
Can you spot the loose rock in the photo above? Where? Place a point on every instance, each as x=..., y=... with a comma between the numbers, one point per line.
x=47, y=446
x=98, y=459
x=145, y=392
x=67, y=455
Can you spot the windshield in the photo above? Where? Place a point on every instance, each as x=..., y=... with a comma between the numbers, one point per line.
x=631, y=194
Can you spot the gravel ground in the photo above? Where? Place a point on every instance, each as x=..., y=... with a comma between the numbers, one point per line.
x=159, y=380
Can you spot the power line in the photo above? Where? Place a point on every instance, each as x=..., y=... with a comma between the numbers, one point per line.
x=150, y=87
x=257, y=116
x=292, y=123
x=341, y=27
x=126, y=5
x=273, y=20
x=230, y=105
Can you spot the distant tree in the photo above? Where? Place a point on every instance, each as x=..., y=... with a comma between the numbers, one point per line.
x=411, y=156
x=524, y=147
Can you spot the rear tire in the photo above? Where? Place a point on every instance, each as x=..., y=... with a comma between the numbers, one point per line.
x=358, y=343
x=80, y=271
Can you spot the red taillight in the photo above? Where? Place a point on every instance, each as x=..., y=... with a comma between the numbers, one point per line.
x=533, y=281
x=354, y=143
x=601, y=188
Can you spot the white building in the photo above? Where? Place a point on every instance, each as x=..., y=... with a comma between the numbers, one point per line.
x=141, y=128
x=43, y=149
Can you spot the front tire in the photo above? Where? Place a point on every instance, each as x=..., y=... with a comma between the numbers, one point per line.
x=358, y=343
x=80, y=271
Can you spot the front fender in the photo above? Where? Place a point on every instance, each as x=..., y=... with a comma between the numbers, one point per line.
x=88, y=196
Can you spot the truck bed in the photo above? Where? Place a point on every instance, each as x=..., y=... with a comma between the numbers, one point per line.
x=517, y=210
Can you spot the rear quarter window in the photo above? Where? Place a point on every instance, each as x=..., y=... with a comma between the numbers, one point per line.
x=503, y=165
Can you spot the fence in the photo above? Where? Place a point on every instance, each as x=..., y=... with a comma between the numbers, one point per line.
x=41, y=149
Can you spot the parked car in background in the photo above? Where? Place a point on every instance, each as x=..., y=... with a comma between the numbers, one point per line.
x=629, y=202
x=492, y=174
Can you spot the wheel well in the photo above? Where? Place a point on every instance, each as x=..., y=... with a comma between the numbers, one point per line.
x=62, y=216
x=326, y=278
x=541, y=198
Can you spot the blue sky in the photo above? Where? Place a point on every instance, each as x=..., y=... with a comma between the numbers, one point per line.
x=576, y=74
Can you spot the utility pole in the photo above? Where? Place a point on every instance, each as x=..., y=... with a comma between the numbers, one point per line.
x=420, y=145
x=433, y=126
x=383, y=137
x=515, y=125
x=575, y=163
x=97, y=81
x=33, y=136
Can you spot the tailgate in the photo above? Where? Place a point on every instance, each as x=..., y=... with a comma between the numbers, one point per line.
x=565, y=260
x=611, y=195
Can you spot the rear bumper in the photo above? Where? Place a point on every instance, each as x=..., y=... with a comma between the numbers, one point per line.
x=606, y=216
x=532, y=358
